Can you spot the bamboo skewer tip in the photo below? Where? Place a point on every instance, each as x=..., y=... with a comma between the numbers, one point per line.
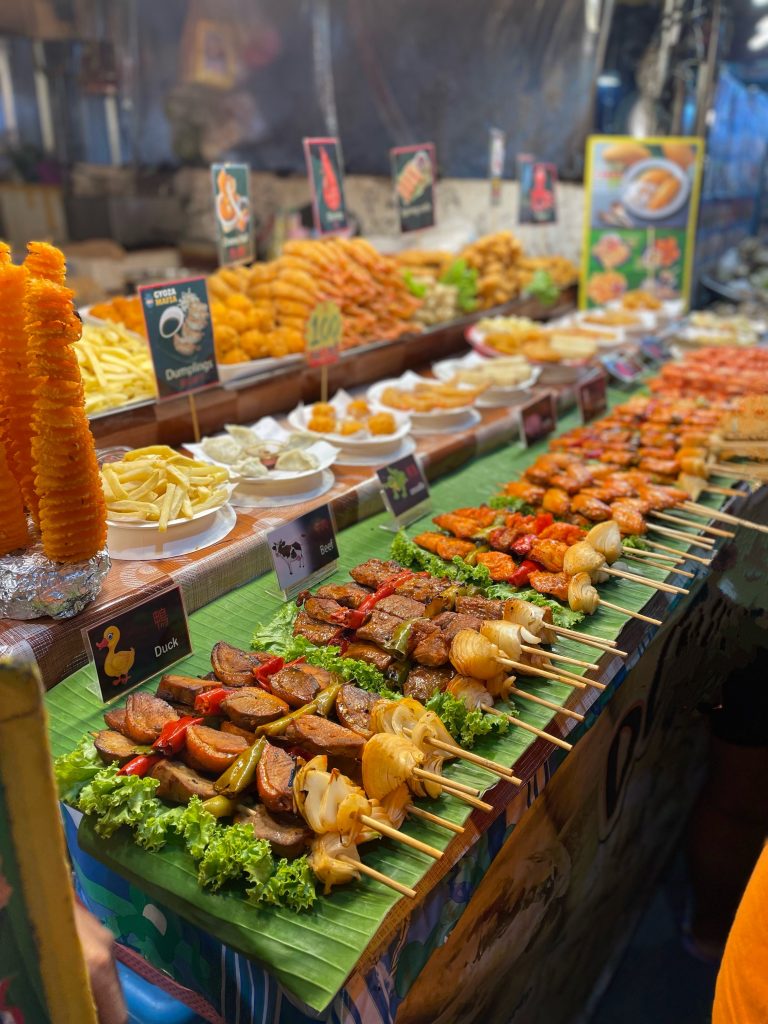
x=379, y=876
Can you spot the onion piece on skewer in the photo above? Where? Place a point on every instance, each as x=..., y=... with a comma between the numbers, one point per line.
x=582, y=596
x=605, y=538
x=388, y=761
x=325, y=859
x=536, y=620
x=582, y=558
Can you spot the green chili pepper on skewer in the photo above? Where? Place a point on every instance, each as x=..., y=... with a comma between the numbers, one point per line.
x=242, y=771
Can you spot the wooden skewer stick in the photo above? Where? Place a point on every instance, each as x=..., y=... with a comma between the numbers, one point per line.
x=547, y=704
x=466, y=755
x=640, y=553
x=632, y=615
x=435, y=819
x=730, y=492
x=400, y=837
x=543, y=653
x=558, y=676
x=530, y=728
x=723, y=517
x=664, y=566
x=690, y=525
x=697, y=542
x=460, y=787
x=449, y=787
x=667, y=588
x=358, y=865
x=588, y=641
x=657, y=546
x=758, y=447
x=737, y=471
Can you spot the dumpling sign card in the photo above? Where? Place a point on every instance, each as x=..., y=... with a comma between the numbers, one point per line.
x=326, y=181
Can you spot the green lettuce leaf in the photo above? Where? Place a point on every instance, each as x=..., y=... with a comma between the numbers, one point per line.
x=417, y=288
x=231, y=852
x=154, y=831
x=635, y=541
x=412, y=556
x=73, y=770
x=196, y=826
x=292, y=885
x=510, y=504
x=464, y=280
x=543, y=288
x=464, y=725
x=118, y=800
x=277, y=634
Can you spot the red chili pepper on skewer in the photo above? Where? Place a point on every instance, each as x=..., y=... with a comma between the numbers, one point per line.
x=522, y=546
x=542, y=521
x=355, y=617
x=208, y=703
x=519, y=578
x=266, y=670
x=174, y=735
x=140, y=765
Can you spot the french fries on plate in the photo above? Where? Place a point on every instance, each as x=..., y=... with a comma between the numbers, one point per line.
x=115, y=367
x=157, y=485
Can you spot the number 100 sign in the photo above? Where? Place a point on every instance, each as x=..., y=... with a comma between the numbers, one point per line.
x=323, y=334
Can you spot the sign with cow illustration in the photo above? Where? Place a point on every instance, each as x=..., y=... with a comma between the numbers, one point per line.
x=304, y=551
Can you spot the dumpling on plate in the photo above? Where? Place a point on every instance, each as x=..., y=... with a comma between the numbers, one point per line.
x=296, y=461
x=253, y=468
x=222, y=449
x=243, y=435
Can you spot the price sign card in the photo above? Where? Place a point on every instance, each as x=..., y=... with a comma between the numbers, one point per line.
x=497, y=149
x=178, y=321
x=232, y=209
x=592, y=396
x=538, y=418
x=653, y=350
x=537, y=181
x=132, y=646
x=304, y=551
x=324, y=329
x=327, y=184
x=405, y=491
x=625, y=369
x=413, y=175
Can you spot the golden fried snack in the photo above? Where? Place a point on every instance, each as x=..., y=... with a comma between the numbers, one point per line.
x=17, y=382
x=72, y=510
x=13, y=523
x=46, y=261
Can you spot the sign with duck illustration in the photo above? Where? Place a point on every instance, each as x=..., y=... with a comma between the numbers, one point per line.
x=413, y=174
x=178, y=321
x=405, y=491
x=132, y=646
x=232, y=210
x=326, y=180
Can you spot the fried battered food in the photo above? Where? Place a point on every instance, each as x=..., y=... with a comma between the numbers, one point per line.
x=429, y=397
x=499, y=565
x=72, y=510
x=13, y=523
x=122, y=310
x=17, y=382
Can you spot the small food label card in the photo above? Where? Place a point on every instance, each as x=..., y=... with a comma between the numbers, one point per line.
x=232, y=209
x=304, y=551
x=497, y=148
x=538, y=418
x=625, y=369
x=413, y=175
x=324, y=329
x=178, y=322
x=592, y=397
x=537, y=181
x=405, y=491
x=132, y=646
x=326, y=181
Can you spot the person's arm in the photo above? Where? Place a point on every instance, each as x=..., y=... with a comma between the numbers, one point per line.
x=97, y=944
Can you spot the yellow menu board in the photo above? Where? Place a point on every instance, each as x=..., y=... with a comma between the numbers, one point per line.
x=642, y=201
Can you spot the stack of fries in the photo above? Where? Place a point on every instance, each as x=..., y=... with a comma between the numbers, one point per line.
x=157, y=485
x=115, y=366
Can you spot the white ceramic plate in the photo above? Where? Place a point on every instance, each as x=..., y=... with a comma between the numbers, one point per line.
x=407, y=446
x=495, y=396
x=366, y=445
x=636, y=201
x=127, y=543
x=246, y=496
x=269, y=429
x=422, y=421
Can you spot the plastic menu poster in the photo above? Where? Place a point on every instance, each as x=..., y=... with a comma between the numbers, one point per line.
x=537, y=183
x=326, y=180
x=43, y=978
x=642, y=199
x=232, y=209
x=413, y=175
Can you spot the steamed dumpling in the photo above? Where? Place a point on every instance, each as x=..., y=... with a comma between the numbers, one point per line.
x=253, y=468
x=244, y=436
x=222, y=449
x=296, y=461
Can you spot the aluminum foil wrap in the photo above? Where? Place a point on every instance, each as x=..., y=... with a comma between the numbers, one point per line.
x=31, y=585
